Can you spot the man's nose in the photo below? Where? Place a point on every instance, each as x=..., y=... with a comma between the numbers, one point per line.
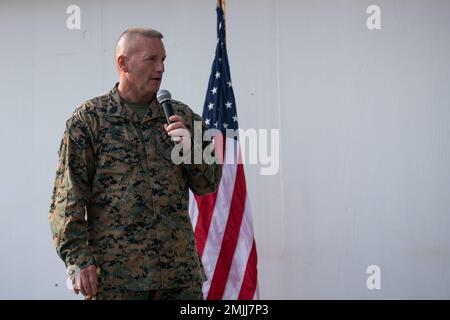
x=160, y=67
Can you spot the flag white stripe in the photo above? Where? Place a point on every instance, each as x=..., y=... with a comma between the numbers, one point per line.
x=193, y=209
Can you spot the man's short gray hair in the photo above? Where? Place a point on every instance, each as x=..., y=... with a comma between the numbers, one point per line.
x=124, y=41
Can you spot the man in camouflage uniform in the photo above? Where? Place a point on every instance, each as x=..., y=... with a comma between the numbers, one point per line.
x=119, y=206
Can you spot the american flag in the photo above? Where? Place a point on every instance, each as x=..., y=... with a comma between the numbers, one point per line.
x=222, y=220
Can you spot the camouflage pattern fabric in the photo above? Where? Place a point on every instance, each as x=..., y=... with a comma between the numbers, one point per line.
x=120, y=203
x=194, y=292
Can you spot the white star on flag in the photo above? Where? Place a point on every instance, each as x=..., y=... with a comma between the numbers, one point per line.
x=217, y=75
x=225, y=125
x=228, y=104
x=207, y=122
x=210, y=106
x=214, y=90
x=235, y=118
x=229, y=84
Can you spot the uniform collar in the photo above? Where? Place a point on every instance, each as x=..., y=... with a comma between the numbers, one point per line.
x=119, y=108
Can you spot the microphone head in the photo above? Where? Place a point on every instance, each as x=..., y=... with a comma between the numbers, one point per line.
x=163, y=95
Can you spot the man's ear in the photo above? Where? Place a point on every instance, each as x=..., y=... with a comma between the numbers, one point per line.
x=122, y=62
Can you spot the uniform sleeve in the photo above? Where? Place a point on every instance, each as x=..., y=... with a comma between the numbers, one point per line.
x=71, y=193
x=203, y=178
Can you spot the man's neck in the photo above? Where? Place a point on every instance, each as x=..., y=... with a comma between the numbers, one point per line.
x=132, y=96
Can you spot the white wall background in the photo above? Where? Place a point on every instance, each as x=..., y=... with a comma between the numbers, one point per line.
x=364, y=118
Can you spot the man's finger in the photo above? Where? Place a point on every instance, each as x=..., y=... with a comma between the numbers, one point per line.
x=180, y=132
x=83, y=292
x=85, y=284
x=77, y=284
x=175, y=125
x=93, y=281
x=175, y=118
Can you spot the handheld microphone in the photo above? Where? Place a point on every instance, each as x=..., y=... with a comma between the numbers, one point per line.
x=165, y=99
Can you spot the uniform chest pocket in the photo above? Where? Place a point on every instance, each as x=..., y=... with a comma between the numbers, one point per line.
x=118, y=164
x=115, y=153
x=121, y=154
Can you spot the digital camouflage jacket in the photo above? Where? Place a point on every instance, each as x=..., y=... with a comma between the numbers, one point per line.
x=120, y=203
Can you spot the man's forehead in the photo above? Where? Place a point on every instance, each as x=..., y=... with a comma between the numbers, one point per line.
x=148, y=41
x=149, y=45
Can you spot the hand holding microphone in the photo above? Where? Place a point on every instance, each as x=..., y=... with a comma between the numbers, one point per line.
x=165, y=99
x=175, y=127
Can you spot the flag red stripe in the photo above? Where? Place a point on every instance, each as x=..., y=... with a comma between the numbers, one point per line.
x=250, y=277
x=205, y=205
x=231, y=236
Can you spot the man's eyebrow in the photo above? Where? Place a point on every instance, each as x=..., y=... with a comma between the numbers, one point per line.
x=148, y=56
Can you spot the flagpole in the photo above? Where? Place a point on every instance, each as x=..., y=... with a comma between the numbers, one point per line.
x=223, y=7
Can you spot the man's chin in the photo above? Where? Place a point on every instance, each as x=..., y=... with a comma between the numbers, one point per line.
x=154, y=86
x=150, y=90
